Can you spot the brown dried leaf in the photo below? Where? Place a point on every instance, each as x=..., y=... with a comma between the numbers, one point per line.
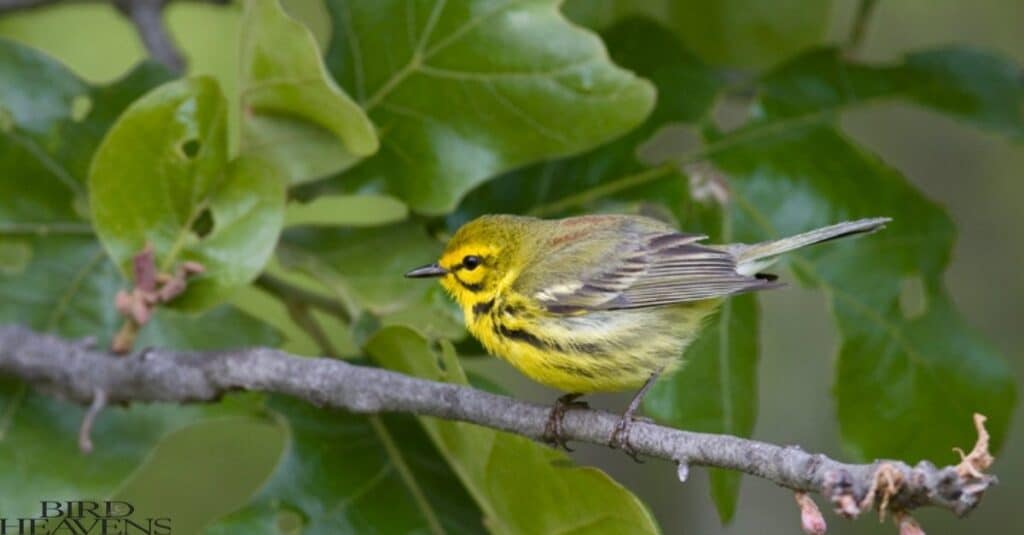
x=908, y=526
x=144, y=268
x=123, y=302
x=173, y=287
x=811, y=520
x=979, y=459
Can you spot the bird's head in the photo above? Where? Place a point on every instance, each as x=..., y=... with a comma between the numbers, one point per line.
x=481, y=256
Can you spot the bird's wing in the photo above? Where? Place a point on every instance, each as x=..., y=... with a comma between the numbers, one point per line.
x=630, y=264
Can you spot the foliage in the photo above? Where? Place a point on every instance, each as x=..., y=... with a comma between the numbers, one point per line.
x=502, y=471
x=344, y=171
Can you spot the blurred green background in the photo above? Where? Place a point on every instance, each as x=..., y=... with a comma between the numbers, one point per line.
x=974, y=174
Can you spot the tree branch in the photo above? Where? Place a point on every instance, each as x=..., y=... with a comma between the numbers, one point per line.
x=145, y=15
x=7, y=6
x=77, y=372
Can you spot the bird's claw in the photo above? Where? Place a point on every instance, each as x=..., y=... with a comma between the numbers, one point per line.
x=553, y=427
x=620, y=436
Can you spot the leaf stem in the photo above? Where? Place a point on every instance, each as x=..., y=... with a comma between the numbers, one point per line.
x=124, y=340
x=406, y=474
x=745, y=135
x=604, y=190
x=290, y=293
x=302, y=317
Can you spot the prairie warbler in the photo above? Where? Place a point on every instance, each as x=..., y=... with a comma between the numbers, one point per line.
x=599, y=303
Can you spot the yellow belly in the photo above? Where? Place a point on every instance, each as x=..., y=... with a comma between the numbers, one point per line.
x=604, y=351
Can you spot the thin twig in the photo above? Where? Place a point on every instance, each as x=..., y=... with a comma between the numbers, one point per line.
x=145, y=15
x=99, y=402
x=7, y=6
x=289, y=293
x=302, y=316
x=62, y=368
x=860, y=25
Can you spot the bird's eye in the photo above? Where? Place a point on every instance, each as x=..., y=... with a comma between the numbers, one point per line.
x=471, y=262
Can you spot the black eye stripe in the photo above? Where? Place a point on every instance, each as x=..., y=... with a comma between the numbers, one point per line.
x=473, y=287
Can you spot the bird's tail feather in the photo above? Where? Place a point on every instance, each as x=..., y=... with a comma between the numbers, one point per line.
x=750, y=259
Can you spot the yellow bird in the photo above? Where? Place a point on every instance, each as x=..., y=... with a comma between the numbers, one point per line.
x=599, y=303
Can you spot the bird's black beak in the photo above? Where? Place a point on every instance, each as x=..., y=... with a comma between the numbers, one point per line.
x=429, y=270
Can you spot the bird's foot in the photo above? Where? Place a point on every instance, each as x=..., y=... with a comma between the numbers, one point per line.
x=553, y=428
x=620, y=436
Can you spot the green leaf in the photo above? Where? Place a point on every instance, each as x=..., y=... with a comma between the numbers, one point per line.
x=981, y=88
x=54, y=122
x=521, y=486
x=14, y=257
x=716, y=390
x=68, y=288
x=464, y=91
x=363, y=269
x=749, y=33
x=346, y=210
x=806, y=183
x=745, y=33
x=686, y=89
x=344, y=473
x=275, y=313
x=39, y=447
x=61, y=281
x=602, y=14
x=162, y=177
x=896, y=369
x=218, y=461
x=913, y=365
x=293, y=112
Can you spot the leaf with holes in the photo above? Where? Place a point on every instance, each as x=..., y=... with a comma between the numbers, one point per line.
x=463, y=91
x=162, y=177
x=56, y=278
x=895, y=370
x=347, y=473
x=68, y=287
x=521, y=486
x=293, y=113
